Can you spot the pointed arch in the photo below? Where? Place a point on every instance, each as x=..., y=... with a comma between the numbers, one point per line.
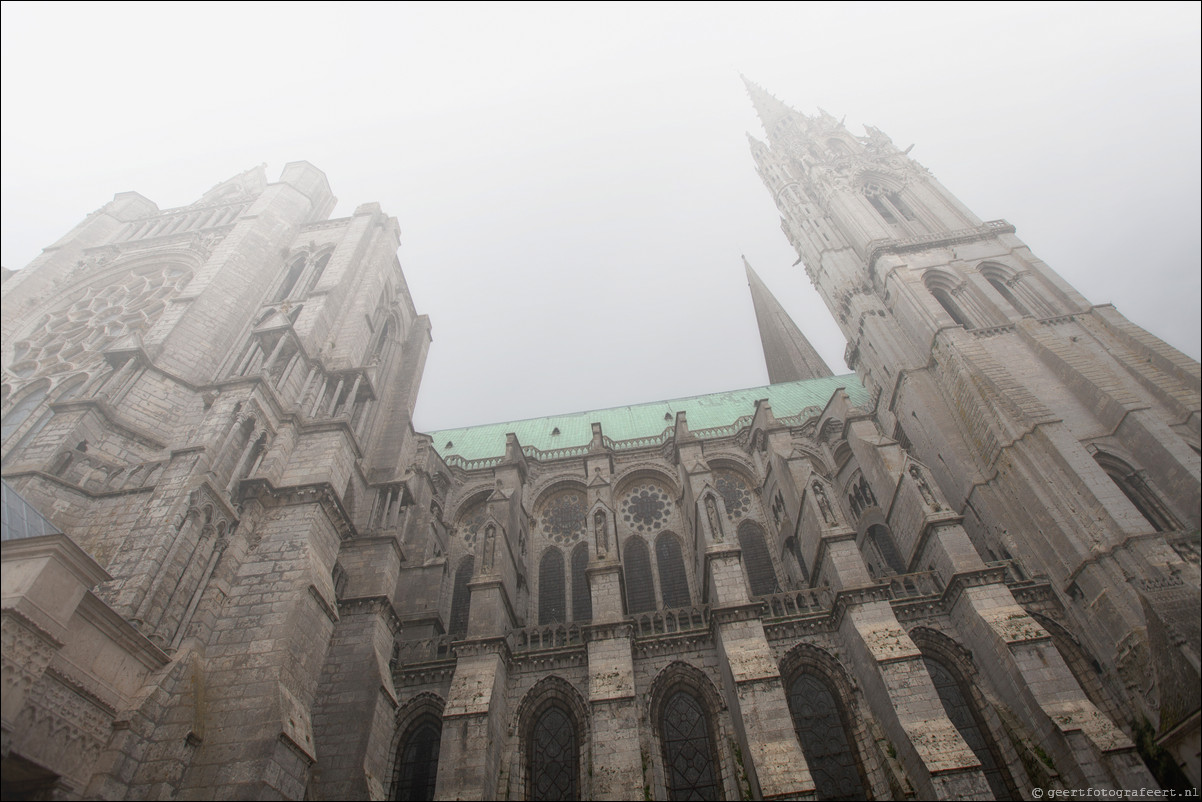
x=684, y=706
x=553, y=723
x=673, y=580
x=882, y=538
x=461, y=596
x=822, y=706
x=950, y=667
x=19, y=412
x=552, y=603
x=416, y=747
x=582, y=600
x=636, y=571
x=757, y=561
x=290, y=278
x=1133, y=485
x=319, y=269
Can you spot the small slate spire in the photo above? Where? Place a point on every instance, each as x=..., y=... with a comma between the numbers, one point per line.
x=787, y=352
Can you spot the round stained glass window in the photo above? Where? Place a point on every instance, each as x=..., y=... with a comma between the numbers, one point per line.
x=562, y=518
x=470, y=523
x=735, y=493
x=646, y=507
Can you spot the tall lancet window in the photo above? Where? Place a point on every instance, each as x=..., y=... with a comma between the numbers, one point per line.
x=756, y=559
x=582, y=601
x=967, y=720
x=688, y=746
x=673, y=582
x=636, y=570
x=551, y=591
x=820, y=728
x=461, y=596
x=417, y=760
x=554, y=756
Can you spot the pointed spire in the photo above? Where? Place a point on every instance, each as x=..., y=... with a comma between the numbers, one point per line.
x=787, y=352
x=770, y=110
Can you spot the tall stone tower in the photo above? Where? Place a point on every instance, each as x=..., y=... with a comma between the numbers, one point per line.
x=1065, y=436
x=206, y=400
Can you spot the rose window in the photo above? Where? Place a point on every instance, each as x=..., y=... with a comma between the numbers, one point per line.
x=470, y=523
x=562, y=518
x=646, y=507
x=735, y=493
x=73, y=336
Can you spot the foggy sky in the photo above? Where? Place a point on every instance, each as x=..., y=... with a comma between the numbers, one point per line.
x=573, y=182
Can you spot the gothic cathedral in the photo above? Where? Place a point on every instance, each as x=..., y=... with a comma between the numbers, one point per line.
x=232, y=569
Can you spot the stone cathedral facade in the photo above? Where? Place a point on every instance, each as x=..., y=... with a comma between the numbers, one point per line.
x=233, y=569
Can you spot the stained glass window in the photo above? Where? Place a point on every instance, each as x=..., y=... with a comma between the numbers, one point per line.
x=688, y=749
x=417, y=761
x=883, y=539
x=470, y=521
x=554, y=756
x=823, y=740
x=646, y=507
x=736, y=495
x=461, y=596
x=756, y=559
x=17, y=415
x=673, y=583
x=636, y=570
x=582, y=601
x=562, y=518
x=961, y=713
x=551, y=591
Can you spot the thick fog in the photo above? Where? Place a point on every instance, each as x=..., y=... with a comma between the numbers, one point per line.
x=573, y=181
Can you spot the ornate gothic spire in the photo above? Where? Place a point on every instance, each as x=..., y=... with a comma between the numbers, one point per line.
x=770, y=110
x=788, y=353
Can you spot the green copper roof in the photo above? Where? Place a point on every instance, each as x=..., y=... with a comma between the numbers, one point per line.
x=643, y=420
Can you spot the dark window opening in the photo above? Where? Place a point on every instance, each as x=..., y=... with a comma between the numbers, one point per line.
x=640, y=591
x=688, y=749
x=417, y=760
x=582, y=600
x=673, y=582
x=553, y=756
x=824, y=741
x=551, y=591
x=461, y=597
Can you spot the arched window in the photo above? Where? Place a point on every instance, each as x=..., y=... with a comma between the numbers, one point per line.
x=71, y=389
x=882, y=209
x=756, y=559
x=794, y=551
x=967, y=721
x=902, y=207
x=945, y=300
x=582, y=600
x=636, y=569
x=673, y=583
x=820, y=729
x=377, y=352
x=290, y=279
x=315, y=276
x=551, y=595
x=688, y=746
x=21, y=411
x=554, y=755
x=461, y=596
x=1004, y=291
x=882, y=538
x=417, y=759
x=1132, y=483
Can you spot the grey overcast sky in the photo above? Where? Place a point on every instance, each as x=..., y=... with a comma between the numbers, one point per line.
x=573, y=182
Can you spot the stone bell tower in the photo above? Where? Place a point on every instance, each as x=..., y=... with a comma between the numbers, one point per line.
x=1065, y=435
